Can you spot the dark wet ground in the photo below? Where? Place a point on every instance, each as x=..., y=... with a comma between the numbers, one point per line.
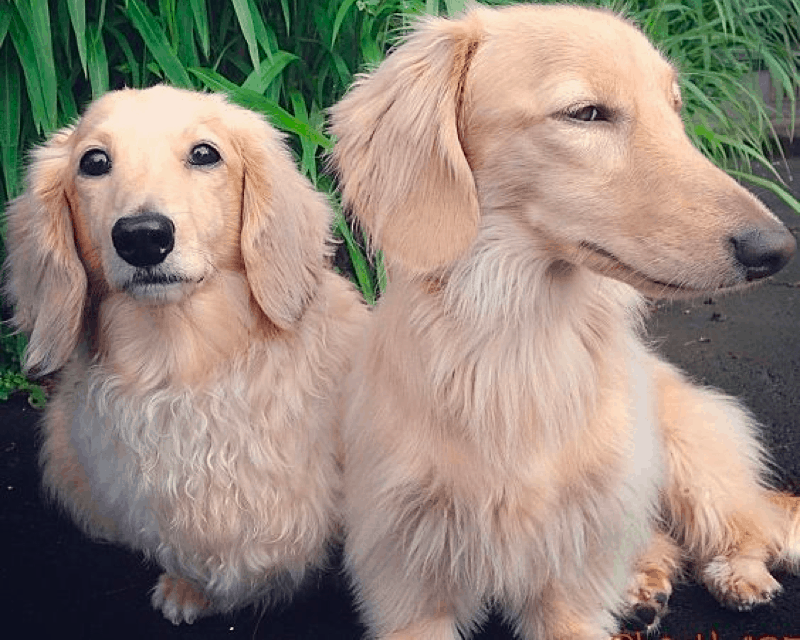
x=55, y=583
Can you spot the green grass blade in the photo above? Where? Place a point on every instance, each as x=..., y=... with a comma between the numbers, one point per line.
x=167, y=15
x=10, y=98
x=20, y=37
x=287, y=15
x=380, y=268
x=5, y=19
x=101, y=20
x=127, y=52
x=200, y=13
x=260, y=79
x=343, y=72
x=720, y=10
x=247, y=25
x=68, y=109
x=77, y=16
x=454, y=7
x=747, y=152
x=281, y=118
x=36, y=16
x=784, y=84
x=370, y=46
x=701, y=99
x=358, y=259
x=337, y=22
x=98, y=62
x=770, y=185
x=157, y=44
x=265, y=36
x=308, y=160
x=184, y=34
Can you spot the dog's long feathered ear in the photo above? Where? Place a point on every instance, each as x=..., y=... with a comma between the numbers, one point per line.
x=285, y=224
x=46, y=280
x=402, y=169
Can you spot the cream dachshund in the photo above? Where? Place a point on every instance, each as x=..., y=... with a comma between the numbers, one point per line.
x=169, y=262
x=510, y=438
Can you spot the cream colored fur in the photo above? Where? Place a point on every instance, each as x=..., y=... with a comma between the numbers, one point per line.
x=194, y=419
x=509, y=438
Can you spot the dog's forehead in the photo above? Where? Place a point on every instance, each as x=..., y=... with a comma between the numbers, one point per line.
x=576, y=41
x=156, y=114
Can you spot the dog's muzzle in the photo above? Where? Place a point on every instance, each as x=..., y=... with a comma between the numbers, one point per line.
x=143, y=240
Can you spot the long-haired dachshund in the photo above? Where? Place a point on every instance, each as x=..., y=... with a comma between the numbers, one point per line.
x=510, y=439
x=169, y=262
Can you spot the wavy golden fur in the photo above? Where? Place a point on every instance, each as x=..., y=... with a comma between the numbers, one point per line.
x=169, y=260
x=509, y=438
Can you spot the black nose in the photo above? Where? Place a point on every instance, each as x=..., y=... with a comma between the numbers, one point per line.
x=143, y=240
x=763, y=252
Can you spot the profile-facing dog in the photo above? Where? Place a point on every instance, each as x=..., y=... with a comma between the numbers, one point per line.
x=510, y=438
x=169, y=262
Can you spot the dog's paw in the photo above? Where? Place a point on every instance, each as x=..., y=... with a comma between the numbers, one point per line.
x=787, y=554
x=178, y=600
x=647, y=599
x=740, y=583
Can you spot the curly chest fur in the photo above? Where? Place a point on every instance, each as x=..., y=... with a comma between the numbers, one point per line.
x=208, y=467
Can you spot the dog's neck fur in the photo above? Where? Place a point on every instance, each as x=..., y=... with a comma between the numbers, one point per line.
x=517, y=340
x=176, y=344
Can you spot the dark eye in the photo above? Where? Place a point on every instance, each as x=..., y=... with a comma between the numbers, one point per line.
x=203, y=155
x=589, y=113
x=95, y=162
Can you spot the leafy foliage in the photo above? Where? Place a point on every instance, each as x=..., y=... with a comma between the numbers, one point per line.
x=292, y=59
x=11, y=380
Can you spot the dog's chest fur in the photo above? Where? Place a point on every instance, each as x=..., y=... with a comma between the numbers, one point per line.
x=541, y=511
x=167, y=464
x=202, y=473
x=537, y=446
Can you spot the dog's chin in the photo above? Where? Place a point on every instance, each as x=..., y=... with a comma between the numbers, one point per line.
x=607, y=264
x=160, y=288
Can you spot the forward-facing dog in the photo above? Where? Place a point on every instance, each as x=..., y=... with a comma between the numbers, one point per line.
x=511, y=440
x=169, y=262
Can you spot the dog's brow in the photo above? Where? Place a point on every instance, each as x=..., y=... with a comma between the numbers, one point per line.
x=95, y=138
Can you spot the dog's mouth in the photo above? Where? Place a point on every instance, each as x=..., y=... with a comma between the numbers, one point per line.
x=148, y=282
x=607, y=264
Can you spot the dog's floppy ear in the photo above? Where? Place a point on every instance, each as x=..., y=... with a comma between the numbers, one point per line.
x=46, y=280
x=403, y=171
x=285, y=223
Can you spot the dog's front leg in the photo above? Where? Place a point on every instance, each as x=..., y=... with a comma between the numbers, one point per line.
x=650, y=588
x=561, y=613
x=717, y=502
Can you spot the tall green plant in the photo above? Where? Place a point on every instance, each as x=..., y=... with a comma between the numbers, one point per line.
x=292, y=59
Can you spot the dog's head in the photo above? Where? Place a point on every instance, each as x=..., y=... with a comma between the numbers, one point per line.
x=566, y=120
x=151, y=194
